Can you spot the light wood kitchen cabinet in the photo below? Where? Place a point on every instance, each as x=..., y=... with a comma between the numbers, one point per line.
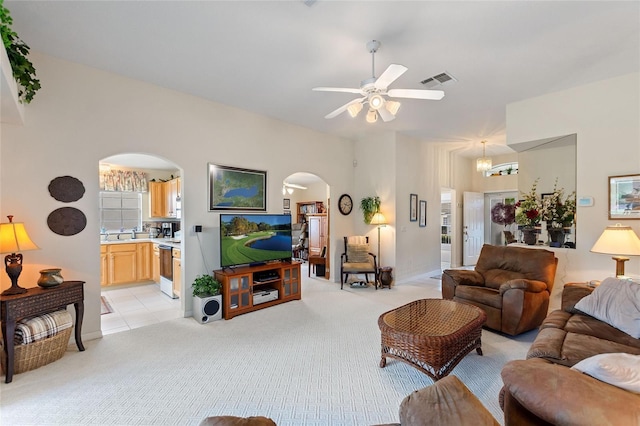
x=125, y=263
x=163, y=198
x=156, y=199
x=143, y=261
x=177, y=271
x=104, y=265
x=122, y=263
x=156, y=263
x=317, y=225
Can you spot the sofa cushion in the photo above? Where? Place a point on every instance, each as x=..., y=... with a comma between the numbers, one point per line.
x=618, y=369
x=447, y=402
x=616, y=302
x=483, y=295
x=562, y=396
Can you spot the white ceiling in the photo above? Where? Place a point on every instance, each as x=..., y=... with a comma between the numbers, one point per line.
x=265, y=56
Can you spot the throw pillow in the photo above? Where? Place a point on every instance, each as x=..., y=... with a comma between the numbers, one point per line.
x=358, y=253
x=616, y=302
x=618, y=369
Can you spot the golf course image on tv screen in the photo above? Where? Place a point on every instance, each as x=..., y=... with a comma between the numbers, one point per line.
x=254, y=238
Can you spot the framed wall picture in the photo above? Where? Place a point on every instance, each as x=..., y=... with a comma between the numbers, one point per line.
x=286, y=203
x=232, y=188
x=413, y=207
x=624, y=197
x=423, y=214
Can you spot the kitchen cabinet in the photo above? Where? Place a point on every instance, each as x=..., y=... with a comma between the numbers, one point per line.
x=163, y=198
x=177, y=271
x=104, y=265
x=143, y=261
x=122, y=263
x=125, y=263
x=156, y=199
x=155, y=263
x=317, y=225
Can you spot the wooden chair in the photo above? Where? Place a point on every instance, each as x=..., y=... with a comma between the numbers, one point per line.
x=357, y=259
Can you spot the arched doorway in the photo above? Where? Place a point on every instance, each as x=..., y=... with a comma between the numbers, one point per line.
x=308, y=198
x=140, y=215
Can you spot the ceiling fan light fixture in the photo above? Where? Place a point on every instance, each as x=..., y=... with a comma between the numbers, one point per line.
x=354, y=109
x=392, y=106
x=372, y=116
x=376, y=101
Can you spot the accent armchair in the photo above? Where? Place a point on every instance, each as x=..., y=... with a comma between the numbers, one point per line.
x=357, y=259
x=511, y=284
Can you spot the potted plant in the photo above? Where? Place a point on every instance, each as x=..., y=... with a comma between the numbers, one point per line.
x=369, y=206
x=205, y=286
x=17, y=50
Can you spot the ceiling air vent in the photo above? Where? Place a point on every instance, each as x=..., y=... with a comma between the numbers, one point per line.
x=439, y=80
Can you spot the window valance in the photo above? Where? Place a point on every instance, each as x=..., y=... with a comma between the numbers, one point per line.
x=123, y=181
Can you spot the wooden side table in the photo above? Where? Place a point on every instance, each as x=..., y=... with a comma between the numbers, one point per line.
x=38, y=301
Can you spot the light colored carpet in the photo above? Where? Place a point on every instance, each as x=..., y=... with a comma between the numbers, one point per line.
x=308, y=362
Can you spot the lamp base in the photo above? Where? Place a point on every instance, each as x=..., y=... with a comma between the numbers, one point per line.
x=13, y=290
x=620, y=265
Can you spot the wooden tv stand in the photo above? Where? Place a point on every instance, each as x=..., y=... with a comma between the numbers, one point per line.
x=239, y=285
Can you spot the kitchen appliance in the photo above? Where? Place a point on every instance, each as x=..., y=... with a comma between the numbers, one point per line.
x=166, y=270
x=169, y=229
x=154, y=232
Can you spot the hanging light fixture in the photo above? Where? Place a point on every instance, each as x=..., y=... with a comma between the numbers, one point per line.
x=484, y=163
x=372, y=116
x=354, y=109
x=392, y=106
x=376, y=101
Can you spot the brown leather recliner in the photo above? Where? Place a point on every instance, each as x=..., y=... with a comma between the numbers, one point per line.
x=511, y=284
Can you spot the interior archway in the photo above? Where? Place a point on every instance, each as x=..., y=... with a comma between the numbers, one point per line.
x=308, y=198
x=130, y=274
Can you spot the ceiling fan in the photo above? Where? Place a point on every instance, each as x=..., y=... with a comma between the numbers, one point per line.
x=374, y=91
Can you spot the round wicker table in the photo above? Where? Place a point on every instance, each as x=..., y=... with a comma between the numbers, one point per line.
x=432, y=335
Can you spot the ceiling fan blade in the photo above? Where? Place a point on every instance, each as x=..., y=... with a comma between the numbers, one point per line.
x=386, y=115
x=337, y=89
x=434, y=95
x=389, y=76
x=343, y=108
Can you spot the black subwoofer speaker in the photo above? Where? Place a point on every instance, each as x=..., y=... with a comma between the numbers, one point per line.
x=206, y=309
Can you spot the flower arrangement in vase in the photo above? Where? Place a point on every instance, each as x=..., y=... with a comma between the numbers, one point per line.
x=528, y=213
x=557, y=210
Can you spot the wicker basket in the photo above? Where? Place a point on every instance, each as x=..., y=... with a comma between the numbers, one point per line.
x=34, y=355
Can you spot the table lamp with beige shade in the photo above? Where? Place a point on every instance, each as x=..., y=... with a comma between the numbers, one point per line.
x=620, y=241
x=13, y=239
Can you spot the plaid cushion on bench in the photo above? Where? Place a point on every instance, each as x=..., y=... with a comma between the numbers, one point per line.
x=32, y=329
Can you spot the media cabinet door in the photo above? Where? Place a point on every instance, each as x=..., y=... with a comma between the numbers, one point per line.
x=239, y=291
x=291, y=282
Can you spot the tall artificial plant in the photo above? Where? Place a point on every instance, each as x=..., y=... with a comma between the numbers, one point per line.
x=17, y=50
x=369, y=206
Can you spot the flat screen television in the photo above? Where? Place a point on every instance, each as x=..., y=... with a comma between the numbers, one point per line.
x=254, y=238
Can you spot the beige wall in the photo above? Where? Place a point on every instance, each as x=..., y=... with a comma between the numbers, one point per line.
x=604, y=116
x=82, y=115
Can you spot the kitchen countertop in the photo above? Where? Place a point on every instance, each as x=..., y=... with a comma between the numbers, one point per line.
x=163, y=241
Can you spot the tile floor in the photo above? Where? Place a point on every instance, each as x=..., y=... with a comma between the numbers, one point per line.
x=137, y=306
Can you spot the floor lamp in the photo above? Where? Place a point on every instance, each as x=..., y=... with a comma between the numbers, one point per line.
x=379, y=220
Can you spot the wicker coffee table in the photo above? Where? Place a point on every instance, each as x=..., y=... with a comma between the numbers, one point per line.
x=433, y=335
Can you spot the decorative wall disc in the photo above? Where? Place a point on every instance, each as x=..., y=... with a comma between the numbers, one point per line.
x=66, y=221
x=66, y=189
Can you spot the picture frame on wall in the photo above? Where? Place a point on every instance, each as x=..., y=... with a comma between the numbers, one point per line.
x=423, y=214
x=624, y=197
x=286, y=203
x=233, y=188
x=413, y=207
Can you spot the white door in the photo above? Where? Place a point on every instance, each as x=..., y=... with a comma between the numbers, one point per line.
x=472, y=227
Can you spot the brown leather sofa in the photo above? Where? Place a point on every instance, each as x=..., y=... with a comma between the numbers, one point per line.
x=544, y=390
x=511, y=284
